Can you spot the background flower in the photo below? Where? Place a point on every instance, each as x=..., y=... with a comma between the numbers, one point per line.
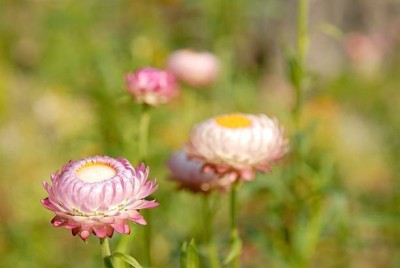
x=237, y=143
x=366, y=52
x=99, y=195
x=152, y=86
x=197, y=69
x=190, y=174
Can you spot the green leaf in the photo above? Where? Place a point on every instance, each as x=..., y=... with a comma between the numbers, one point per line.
x=126, y=258
x=235, y=251
x=183, y=255
x=331, y=30
x=189, y=255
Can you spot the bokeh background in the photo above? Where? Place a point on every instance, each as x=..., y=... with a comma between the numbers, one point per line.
x=62, y=97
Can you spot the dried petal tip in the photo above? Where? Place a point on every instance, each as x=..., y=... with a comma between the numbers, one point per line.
x=237, y=145
x=152, y=86
x=98, y=195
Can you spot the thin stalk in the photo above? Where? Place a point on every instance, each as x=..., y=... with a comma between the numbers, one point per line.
x=208, y=220
x=143, y=143
x=234, y=226
x=147, y=237
x=207, y=214
x=302, y=33
x=106, y=253
x=144, y=131
x=124, y=244
x=301, y=52
x=302, y=257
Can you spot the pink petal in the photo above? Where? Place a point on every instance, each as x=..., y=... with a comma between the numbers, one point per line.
x=58, y=221
x=247, y=175
x=100, y=230
x=75, y=231
x=139, y=220
x=47, y=204
x=71, y=225
x=84, y=235
x=119, y=227
x=136, y=217
x=127, y=229
x=108, y=220
x=110, y=231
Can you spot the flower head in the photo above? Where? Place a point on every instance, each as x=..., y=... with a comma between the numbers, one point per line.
x=197, y=69
x=191, y=176
x=366, y=52
x=99, y=195
x=152, y=86
x=237, y=144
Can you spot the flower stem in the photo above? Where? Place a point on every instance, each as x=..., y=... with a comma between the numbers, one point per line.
x=301, y=51
x=106, y=253
x=235, y=238
x=144, y=131
x=208, y=220
x=143, y=142
x=302, y=34
x=124, y=244
x=147, y=237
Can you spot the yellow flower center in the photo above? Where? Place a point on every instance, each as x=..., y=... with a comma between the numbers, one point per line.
x=95, y=172
x=233, y=121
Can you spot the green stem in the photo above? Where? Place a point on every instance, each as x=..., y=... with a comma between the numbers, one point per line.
x=301, y=258
x=143, y=142
x=233, y=207
x=106, y=253
x=208, y=219
x=235, y=238
x=147, y=237
x=302, y=33
x=301, y=49
x=144, y=131
x=124, y=244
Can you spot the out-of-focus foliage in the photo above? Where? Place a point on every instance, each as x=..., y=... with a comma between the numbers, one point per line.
x=62, y=97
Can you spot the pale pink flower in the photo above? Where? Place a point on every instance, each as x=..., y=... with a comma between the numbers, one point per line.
x=365, y=51
x=152, y=86
x=237, y=144
x=99, y=195
x=191, y=176
x=197, y=69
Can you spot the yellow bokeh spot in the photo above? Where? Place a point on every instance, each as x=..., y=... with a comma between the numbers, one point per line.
x=233, y=121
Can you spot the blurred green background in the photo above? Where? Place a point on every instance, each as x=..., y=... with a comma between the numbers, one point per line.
x=62, y=97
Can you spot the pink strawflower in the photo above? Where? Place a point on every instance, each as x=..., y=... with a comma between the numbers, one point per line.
x=152, y=86
x=197, y=69
x=237, y=144
x=99, y=195
x=191, y=176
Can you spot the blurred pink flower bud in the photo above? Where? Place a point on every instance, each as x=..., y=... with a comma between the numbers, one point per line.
x=152, y=86
x=366, y=52
x=98, y=195
x=197, y=69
